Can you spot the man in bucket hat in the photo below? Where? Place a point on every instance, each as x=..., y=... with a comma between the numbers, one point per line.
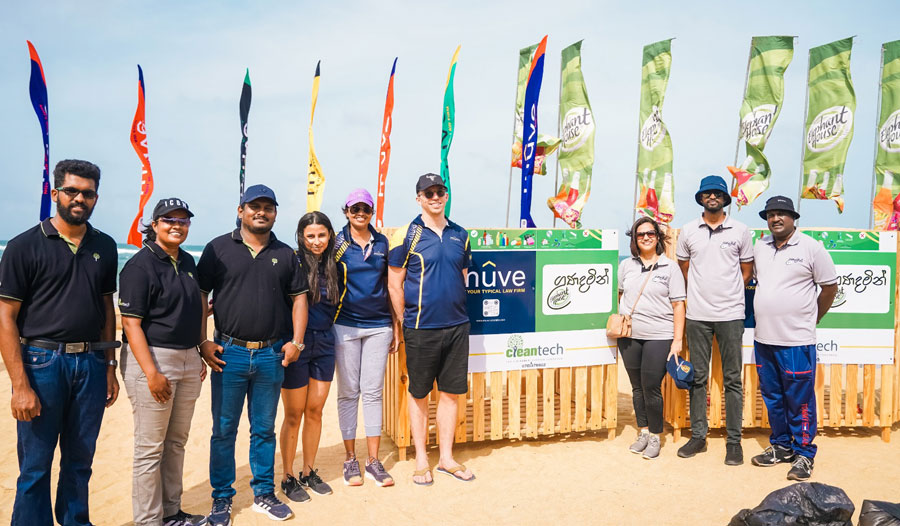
x=789, y=268
x=716, y=256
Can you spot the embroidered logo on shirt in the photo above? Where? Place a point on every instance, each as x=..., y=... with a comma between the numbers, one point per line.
x=659, y=278
x=728, y=244
x=190, y=275
x=96, y=256
x=793, y=261
x=274, y=261
x=123, y=304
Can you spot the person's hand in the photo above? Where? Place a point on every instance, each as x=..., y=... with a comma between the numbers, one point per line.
x=396, y=339
x=208, y=350
x=674, y=350
x=112, y=386
x=159, y=387
x=202, y=370
x=25, y=404
x=291, y=353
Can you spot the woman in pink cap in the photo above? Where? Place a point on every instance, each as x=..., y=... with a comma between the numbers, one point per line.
x=365, y=333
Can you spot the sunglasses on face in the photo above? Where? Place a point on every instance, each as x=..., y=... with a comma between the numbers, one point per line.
x=180, y=221
x=357, y=208
x=651, y=234
x=430, y=193
x=72, y=193
x=717, y=194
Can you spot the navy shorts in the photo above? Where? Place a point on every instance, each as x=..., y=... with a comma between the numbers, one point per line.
x=316, y=360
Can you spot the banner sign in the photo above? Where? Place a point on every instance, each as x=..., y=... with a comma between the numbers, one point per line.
x=656, y=197
x=315, y=182
x=540, y=298
x=37, y=88
x=448, y=126
x=384, y=154
x=244, y=112
x=546, y=144
x=887, y=148
x=139, y=142
x=530, y=130
x=859, y=327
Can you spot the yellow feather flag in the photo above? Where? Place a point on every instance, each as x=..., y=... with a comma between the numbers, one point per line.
x=315, y=182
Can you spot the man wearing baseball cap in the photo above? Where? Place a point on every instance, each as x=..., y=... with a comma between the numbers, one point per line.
x=716, y=256
x=789, y=267
x=259, y=291
x=428, y=262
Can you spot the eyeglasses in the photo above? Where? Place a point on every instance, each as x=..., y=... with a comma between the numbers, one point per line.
x=357, y=208
x=650, y=234
x=72, y=192
x=172, y=221
x=430, y=193
x=715, y=193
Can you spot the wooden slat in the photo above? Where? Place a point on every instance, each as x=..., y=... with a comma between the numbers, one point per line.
x=850, y=395
x=820, y=394
x=549, y=397
x=580, y=398
x=749, y=386
x=868, y=395
x=477, y=407
x=403, y=437
x=715, y=388
x=887, y=397
x=596, y=383
x=834, y=395
x=496, y=405
x=611, y=392
x=531, y=403
x=765, y=415
x=565, y=400
x=514, y=392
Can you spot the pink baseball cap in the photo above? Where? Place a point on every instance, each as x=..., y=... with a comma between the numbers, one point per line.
x=359, y=195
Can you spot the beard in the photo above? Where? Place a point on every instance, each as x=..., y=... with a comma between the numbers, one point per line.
x=259, y=230
x=712, y=210
x=74, y=218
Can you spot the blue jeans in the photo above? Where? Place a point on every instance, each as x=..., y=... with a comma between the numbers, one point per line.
x=72, y=391
x=787, y=380
x=254, y=374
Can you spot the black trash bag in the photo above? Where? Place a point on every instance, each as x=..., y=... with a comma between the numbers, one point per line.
x=804, y=503
x=879, y=513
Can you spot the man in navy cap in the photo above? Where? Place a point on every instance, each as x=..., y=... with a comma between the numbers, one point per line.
x=796, y=284
x=260, y=315
x=716, y=256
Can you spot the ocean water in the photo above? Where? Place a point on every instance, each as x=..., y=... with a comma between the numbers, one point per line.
x=127, y=251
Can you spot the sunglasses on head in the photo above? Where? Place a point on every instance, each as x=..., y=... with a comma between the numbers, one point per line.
x=430, y=193
x=72, y=193
x=361, y=207
x=182, y=221
x=649, y=234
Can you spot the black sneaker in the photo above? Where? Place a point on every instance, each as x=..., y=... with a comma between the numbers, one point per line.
x=293, y=490
x=220, y=514
x=773, y=455
x=693, y=446
x=183, y=518
x=315, y=484
x=801, y=468
x=734, y=454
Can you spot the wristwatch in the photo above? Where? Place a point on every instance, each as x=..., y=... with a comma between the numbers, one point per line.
x=299, y=345
x=112, y=363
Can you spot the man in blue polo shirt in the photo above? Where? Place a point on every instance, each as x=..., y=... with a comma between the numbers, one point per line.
x=57, y=325
x=427, y=283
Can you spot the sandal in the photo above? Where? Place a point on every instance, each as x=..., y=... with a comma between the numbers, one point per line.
x=453, y=470
x=422, y=473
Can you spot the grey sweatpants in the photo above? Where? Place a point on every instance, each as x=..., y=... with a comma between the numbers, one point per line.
x=160, y=430
x=360, y=357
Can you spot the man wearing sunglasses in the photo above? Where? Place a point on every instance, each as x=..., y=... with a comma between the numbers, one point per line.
x=428, y=262
x=57, y=325
x=716, y=256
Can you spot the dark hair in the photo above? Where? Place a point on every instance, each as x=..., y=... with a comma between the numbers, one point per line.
x=147, y=230
x=661, y=237
x=314, y=263
x=85, y=169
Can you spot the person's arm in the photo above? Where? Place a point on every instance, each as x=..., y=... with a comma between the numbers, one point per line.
x=826, y=298
x=108, y=334
x=678, y=333
x=24, y=402
x=684, y=265
x=747, y=271
x=396, y=277
x=208, y=348
x=159, y=385
x=299, y=318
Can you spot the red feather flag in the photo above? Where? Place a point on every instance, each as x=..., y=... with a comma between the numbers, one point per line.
x=139, y=141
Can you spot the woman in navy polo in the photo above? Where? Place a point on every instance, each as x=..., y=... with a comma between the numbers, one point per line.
x=363, y=335
x=307, y=381
x=161, y=309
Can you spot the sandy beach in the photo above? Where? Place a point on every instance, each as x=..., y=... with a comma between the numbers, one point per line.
x=575, y=478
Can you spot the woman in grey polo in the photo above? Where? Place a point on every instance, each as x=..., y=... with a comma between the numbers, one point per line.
x=651, y=288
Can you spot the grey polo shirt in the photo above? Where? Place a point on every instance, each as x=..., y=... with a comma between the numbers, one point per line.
x=715, y=286
x=786, y=293
x=653, y=319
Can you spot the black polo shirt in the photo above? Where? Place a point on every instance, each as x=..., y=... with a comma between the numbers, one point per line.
x=61, y=288
x=252, y=293
x=163, y=292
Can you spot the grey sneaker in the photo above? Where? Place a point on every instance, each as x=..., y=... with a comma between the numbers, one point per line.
x=352, y=476
x=640, y=443
x=293, y=490
x=220, y=514
x=801, y=468
x=315, y=483
x=652, y=449
x=183, y=518
x=773, y=455
x=376, y=472
x=270, y=506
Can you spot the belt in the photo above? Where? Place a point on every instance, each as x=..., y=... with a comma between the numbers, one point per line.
x=259, y=344
x=69, y=348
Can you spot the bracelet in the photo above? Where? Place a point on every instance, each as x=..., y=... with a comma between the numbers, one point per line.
x=299, y=345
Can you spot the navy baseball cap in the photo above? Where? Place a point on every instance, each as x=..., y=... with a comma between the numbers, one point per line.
x=712, y=182
x=258, y=191
x=164, y=206
x=427, y=181
x=682, y=373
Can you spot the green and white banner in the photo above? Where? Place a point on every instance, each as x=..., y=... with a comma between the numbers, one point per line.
x=576, y=155
x=656, y=197
x=546, y=144
x=769, y=58
x=829, y=122
x=540, y=298
x=859, y=327
x=887, y=150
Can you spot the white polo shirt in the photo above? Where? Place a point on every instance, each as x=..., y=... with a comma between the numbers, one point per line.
x=786, y=292
x=715, y=286
x=653, y=319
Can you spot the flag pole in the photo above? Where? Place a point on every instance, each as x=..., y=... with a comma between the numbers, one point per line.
x=559, y=117
x=875, y=157
x=515, y=116
x=803, y=147
x=737, y=146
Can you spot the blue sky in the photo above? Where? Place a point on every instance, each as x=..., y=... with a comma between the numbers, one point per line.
x=194, y=55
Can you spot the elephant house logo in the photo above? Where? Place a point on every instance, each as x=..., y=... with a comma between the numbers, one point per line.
x=653, y=130
x=578, y=125
x=829, y=128
x=889, y=134
x=757, y=125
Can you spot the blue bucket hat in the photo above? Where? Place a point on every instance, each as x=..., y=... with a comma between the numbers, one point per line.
x=713, y=182
x=682, y=372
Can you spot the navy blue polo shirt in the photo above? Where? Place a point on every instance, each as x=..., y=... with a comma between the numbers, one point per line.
x=252, y=292
x=61, y=287
x=434, y=290
x=365, y=302
x=322, y=314
x=164, y=294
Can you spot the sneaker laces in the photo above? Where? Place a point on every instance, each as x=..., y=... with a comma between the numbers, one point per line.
x=313, y=478
x=221, y=505
x=270, y=499
x=351, y=467
x=376, y=465
x=802, y=462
